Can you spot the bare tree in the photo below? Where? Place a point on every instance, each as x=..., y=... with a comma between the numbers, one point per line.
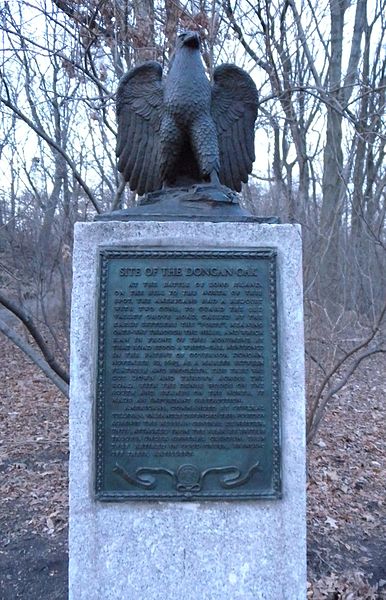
x=322, y=109
x=324, y=105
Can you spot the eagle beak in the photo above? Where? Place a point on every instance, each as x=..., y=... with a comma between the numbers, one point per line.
x=192, y=40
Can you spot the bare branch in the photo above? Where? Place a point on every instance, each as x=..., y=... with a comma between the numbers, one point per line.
x=320, y=401
x=27, y=320
x=35, y=357
x=41, y=133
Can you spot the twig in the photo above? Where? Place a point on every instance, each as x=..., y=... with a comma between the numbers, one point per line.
x=26, y=319
x=41, y=133
x=35, y=357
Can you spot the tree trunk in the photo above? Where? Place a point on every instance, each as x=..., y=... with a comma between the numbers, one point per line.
x=144, y=32
x=334, y=183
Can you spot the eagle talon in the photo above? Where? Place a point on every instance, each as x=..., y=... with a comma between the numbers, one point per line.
x=214, y=179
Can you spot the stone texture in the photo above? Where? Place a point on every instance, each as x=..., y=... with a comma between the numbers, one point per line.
x=252, y=550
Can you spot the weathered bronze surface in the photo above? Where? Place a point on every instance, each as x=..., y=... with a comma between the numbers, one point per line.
x=181, y=129
x=198, y=203
x=187, y=393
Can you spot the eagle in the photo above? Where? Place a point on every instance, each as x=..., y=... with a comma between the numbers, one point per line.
x=182, y=129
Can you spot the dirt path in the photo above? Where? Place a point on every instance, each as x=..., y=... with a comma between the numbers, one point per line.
x=346, y=489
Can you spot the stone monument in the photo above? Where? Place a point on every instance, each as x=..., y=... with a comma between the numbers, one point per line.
x=187, y=446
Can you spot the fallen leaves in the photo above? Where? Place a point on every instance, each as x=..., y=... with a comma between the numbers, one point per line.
x=347, y=474
x=33, y=448
x=352, y=586
x=346, y=493
x=331, y=522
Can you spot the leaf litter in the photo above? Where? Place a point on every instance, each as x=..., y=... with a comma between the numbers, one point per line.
x=33, y=481
x=346, y=492
x=346, y=487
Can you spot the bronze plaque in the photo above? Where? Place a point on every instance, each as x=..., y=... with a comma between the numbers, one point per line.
x=187, y=388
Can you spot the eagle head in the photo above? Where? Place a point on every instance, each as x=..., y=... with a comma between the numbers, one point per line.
x=190, y=39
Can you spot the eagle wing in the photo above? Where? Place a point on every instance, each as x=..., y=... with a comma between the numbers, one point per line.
x=234, y=110
x=139, y=106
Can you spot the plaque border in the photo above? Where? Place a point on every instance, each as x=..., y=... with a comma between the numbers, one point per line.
x=105, y=254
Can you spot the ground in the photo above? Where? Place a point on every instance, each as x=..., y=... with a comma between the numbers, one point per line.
x=346, y=494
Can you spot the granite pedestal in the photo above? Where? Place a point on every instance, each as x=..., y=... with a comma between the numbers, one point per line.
x=218, y=550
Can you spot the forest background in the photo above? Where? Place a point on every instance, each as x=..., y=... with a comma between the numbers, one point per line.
x=320, y=68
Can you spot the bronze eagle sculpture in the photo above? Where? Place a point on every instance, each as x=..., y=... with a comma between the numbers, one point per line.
x=182, y=129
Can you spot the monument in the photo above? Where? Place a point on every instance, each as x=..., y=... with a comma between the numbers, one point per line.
x=187, y=470
x=182, y=129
